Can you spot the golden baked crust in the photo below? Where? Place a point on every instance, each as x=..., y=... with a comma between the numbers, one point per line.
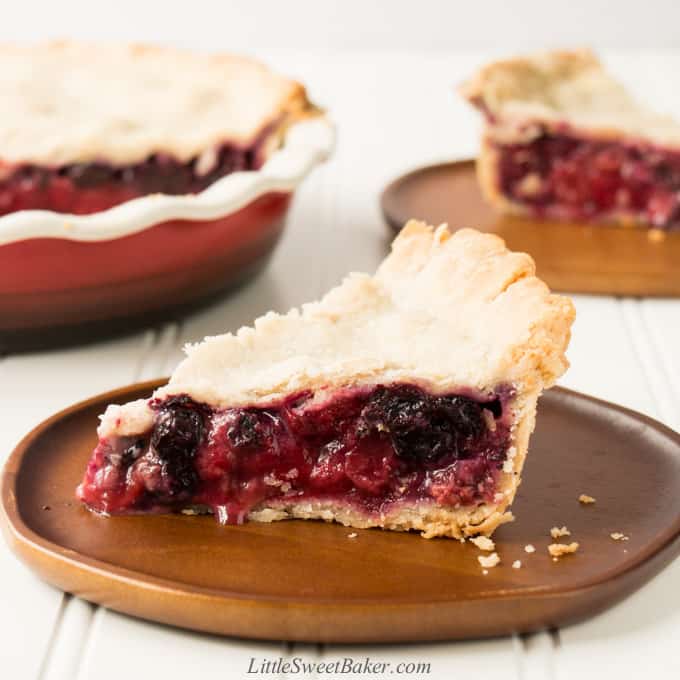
x=525, y=96
x=446, y=311
x=69, y=102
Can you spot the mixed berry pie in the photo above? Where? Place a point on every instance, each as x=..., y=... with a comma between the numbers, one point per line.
x=86, y=127
x=403, y=400
x=565, y=141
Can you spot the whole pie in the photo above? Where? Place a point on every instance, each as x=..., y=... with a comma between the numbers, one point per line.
x=403, y=400
x=564, y=140
x=86, y=127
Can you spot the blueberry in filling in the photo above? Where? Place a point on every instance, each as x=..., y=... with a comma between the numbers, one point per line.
x=371, y=447
x=565, y=177
x=175, y=440
x=421, y=427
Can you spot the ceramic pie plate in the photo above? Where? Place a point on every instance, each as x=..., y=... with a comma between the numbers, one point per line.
x=66, y=278
x=569, y=257
x=311, y=581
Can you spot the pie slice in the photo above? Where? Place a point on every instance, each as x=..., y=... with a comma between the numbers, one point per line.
x=565, y=141
x=86, y=127
x=403, y=400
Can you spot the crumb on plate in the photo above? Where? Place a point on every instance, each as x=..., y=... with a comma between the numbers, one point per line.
x=557, y=532
x=559, y=549
x=618, y=536
x=483, y=543
x=656, y=235
x=488, y=561
x=517, y=564
x=352, y=535
x=528, y=548
x=585, y=499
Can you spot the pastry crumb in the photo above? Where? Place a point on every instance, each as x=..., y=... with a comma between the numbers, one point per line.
x=656, y=235
x=528, y=548
x=485, y=571
x=618, y=536
x=585, y=499
x=559, y=549
x=352, y=535
x=517, y=564
x=557, y=532
x=488, y=561
x=483, y=543
x=188, y=511
x=508, y=464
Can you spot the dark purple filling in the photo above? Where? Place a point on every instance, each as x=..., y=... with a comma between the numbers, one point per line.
x=85, y=188
x=370, y=447
x=564, y=177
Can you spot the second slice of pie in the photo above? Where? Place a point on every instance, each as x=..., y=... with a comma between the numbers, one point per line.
x=564, y=140
x=404, y=401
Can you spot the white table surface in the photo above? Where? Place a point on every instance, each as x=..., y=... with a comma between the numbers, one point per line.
x=394, y=112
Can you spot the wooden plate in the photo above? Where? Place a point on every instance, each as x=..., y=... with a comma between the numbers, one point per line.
x=569, y=257
x=310, y=581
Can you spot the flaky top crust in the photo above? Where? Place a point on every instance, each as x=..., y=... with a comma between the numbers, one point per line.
x=555, y=90
x=71, y=102
x=447, y=310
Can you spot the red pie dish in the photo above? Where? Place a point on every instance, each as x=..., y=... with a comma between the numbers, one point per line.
x=148, y=198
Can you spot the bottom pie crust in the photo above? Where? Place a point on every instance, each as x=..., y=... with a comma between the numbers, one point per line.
x=429, y=519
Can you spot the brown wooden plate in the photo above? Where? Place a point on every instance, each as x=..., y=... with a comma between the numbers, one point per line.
x=570, y=257
x=310, y=581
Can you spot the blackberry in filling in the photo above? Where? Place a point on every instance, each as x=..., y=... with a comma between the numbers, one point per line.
x=84, y=188
x=369, y=447
x=564, y=177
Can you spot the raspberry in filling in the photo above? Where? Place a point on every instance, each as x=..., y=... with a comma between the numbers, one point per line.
x=368, y=447
x=566, y=177
x=84, y=188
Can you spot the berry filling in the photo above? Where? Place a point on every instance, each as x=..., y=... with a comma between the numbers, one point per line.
x=563, y=177
x=368, y=447
x=85, y=188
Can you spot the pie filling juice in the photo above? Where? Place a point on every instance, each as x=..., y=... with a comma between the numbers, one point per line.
x=85, y=188
x=367, y=447
x=565, y=177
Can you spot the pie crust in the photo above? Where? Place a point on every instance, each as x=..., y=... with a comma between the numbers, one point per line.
x=451, y=313
x=70, y=102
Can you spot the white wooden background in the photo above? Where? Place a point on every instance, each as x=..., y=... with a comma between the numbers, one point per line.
x=393, y=111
